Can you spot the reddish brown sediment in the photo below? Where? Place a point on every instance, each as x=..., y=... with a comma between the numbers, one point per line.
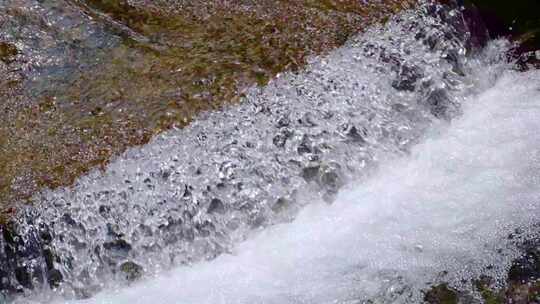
x=173, y=61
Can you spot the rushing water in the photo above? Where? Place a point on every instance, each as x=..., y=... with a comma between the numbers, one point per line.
x=428, y=157
x=448, y=206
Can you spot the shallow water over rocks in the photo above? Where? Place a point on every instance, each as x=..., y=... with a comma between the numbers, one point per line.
x=84, y=80
x=193, y=194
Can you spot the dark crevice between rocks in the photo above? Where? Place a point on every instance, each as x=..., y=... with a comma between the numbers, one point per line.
x=27, y=260
x=518, y=21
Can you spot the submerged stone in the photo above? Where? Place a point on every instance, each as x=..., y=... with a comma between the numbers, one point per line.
x=216, y=206
x=441, y=294
x=406, y=79
x=131, y=271
x=118, y=247
x=439, y=104
x=310, y=173
x=54, y=278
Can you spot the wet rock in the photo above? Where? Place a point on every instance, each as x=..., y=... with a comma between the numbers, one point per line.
x=507, y=19
x=281, y=204
x=529, y=60
x=8, y=52
x=327, y=176
x=331, y=179
x=68, y=219
x=104, y=210
x=257, y=221
x=310, y=173
x=85, y=292
x=452, y=56
x=522, y=285
x=20, y=257
x=45, y=234
x=188, y=234
x=528, y=293
x=131, y=271
x=281, y=138
x=4, y=279
x=441, y=294
x=119, y=247
x=356, y=135
x=23, y=276
x=49, y=258
x=54, y=278
x=283, y=121
x=431, y=41
x=165, y=174
x=439, y=104
x=398, y=107
x=489, y=294
x=526, y=268
x=113, y=230
x=353, y=133
x=205, y=229
x=305, y=146
x=517, y=21
x=308, y=120
x=216, y=206
x=476, y=27
x=406, y=79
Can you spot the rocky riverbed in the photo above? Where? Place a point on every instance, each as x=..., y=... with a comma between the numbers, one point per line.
x=84, y=80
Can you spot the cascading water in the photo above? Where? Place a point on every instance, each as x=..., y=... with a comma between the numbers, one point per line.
x=342, y=131
x=448, y=206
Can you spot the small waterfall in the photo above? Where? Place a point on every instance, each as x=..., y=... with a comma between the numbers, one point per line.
x=443, y=212
x=353, y=135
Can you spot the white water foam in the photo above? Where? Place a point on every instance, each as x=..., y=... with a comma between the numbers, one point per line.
x=448, y=206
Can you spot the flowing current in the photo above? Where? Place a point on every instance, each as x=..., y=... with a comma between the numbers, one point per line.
x=445, y=207
x=380, y=166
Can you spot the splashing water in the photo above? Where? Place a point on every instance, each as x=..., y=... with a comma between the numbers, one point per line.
x=331, y=133
x=448, y=206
